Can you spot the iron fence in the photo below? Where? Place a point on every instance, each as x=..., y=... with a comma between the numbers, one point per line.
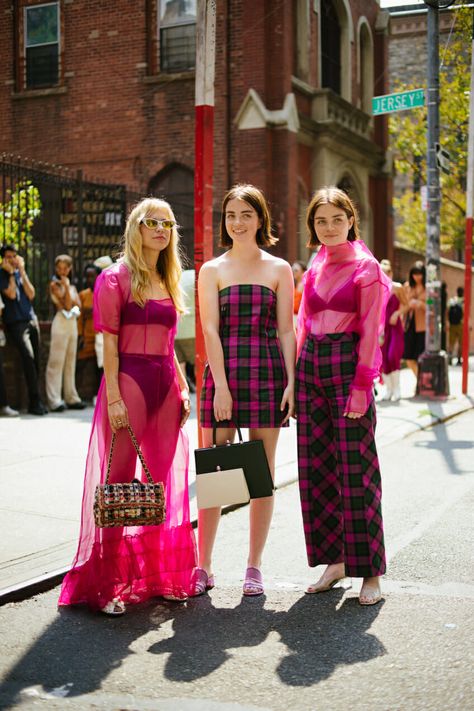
x=47, y=210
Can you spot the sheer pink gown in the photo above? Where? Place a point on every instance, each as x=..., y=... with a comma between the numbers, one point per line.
x=135, y=563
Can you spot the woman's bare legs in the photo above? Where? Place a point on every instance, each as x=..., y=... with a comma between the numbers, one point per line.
x=261, y=510
x=208, y=519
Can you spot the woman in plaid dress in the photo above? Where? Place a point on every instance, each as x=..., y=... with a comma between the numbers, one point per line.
x=339, y=322
x=246, y=302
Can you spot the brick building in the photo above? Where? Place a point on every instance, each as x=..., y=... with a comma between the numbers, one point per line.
x=108, y=88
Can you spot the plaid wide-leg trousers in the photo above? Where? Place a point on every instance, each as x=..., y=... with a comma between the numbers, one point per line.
x=339, y=474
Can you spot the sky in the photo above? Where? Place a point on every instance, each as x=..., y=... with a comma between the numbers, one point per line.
x=392, y=3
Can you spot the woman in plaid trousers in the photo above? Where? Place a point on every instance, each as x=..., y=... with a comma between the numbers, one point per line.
x=339, y=322
x=246, y=303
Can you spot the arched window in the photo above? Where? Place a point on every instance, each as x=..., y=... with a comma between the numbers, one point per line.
x=330, y=48
x=175, y=183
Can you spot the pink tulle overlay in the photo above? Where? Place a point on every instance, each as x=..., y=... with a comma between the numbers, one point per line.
x=136, y=563
x=346, y=291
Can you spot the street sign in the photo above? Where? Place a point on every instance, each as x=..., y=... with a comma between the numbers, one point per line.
x=398, y=102
x=442, y=158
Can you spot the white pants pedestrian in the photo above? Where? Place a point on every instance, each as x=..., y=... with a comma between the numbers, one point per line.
x=61, y=368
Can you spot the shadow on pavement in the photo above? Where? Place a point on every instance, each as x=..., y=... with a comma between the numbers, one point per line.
x=321, y=638
x=78, y=652
x=446, y=446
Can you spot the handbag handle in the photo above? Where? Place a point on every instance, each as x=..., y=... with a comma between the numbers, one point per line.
x=138, y=451
x=214, y=432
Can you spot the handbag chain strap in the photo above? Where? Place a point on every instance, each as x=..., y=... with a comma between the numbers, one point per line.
x=138, y=451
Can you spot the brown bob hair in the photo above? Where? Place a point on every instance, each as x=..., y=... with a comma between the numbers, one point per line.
x=256, y=199
x=331, y=196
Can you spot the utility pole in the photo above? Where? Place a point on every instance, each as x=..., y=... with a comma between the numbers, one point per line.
x=203, y=161
x=433, y=363
x=469, y=210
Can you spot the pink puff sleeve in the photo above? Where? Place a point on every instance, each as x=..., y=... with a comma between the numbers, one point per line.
x=373, y=293
x=301, y=321
x=108, y=301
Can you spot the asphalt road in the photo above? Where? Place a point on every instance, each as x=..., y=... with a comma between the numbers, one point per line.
x=285, y=650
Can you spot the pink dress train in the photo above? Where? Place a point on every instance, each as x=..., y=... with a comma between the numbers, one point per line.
x=136, y=563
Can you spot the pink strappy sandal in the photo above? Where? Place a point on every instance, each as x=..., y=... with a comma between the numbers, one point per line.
x=202, y=583
x=253, y=583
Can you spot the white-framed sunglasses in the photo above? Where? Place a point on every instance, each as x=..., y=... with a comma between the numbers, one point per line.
x=152, y=223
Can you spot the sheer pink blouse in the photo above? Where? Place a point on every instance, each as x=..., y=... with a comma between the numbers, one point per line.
x=346, y=291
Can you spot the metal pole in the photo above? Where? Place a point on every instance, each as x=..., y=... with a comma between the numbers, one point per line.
x=433, y=365
x=203, y=173
x=468, y=244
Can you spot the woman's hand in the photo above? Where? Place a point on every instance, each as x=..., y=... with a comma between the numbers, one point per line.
x=118, y=415
x=185, y=406
x=394, y=318
x=288, y=401
x=353, y=415
x=222, y=404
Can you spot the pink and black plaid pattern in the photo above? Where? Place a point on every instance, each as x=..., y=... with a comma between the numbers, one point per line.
x=339, y=475
x=254, y=363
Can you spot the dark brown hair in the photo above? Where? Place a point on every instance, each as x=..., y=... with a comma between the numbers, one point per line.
x=256, y=199
x=331, y=196
x=417, y=268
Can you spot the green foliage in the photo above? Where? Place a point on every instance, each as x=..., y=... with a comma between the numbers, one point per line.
x=408, y=135
x=17, y=214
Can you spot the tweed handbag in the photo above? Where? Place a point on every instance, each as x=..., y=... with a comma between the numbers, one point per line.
x=131, y=504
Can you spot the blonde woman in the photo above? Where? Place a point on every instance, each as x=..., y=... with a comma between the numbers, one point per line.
x=136, y=305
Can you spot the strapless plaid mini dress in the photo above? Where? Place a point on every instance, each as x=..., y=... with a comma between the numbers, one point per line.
x=253, y=360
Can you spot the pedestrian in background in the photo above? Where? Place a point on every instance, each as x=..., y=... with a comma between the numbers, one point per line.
x=136, y=302
x=246, y=302
x=415, y=316
x=5, y=409
x=298, y=268
x=339, y=324
x=185, y=341
x=61, y=367
x=20, y=322
x=456, y=324
x=86, y=333
x=393, y=336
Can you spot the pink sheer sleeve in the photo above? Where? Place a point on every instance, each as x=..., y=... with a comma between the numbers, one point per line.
x=373, y=294
x=301, y=321
x=108, y=300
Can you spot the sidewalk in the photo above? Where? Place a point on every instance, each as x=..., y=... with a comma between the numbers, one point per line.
x=42, y=467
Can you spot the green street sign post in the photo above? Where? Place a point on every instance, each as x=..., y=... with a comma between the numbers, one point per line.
x=398, y=102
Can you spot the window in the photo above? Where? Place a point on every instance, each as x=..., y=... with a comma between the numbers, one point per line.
x=330, y=48
x=42, y=45
x=177, y=35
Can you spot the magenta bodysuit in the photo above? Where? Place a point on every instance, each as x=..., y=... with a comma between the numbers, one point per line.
x=347, y=292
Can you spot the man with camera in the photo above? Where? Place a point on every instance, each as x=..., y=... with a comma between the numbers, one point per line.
x=20, y=322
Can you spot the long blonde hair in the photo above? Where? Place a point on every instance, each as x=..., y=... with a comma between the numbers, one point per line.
x=168, y=266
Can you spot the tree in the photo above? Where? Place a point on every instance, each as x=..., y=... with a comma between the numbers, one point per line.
x=17, y=214
x=408, y=132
